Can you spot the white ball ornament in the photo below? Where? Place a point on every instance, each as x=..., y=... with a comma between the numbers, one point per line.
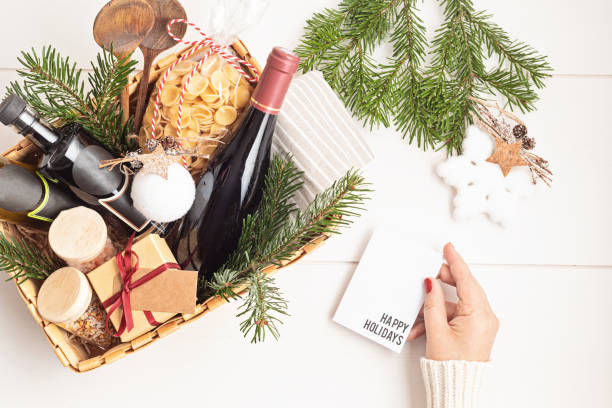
x=164, y=200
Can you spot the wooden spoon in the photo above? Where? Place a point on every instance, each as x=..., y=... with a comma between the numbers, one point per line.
x=123, y=24
x=155, y=43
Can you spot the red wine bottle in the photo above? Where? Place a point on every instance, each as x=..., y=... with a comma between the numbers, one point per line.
x=73, y=158
x=232, y=187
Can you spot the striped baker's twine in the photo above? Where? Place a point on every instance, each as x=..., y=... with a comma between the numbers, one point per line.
x=212, y=48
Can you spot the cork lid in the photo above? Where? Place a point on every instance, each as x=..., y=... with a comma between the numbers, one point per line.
x=78, y=235
x=64, y=296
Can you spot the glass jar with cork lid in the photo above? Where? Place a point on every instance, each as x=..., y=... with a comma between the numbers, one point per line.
x=66, y=299
x=79, y=236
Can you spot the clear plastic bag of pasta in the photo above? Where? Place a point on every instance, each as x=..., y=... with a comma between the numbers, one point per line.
x=215, y=96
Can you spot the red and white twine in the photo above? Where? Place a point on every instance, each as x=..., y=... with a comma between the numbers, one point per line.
x=198, y=45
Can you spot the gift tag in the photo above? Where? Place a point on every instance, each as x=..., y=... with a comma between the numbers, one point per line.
x=173, y=291
x=386, y=292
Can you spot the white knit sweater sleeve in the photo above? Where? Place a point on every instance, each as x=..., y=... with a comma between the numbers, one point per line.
x=453, y=384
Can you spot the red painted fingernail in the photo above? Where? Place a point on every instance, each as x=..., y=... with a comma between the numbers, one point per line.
x=428, y=285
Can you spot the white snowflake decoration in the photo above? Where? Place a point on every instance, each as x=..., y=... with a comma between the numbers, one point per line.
x=481, y=186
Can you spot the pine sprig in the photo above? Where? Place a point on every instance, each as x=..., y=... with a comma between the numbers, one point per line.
x=53, y=78
x=269, y=239
x=523, y=60
x=22, y=260
x=429, y=104
x=262, y=307
x=323, y=32
x=258, y=230
x=400, y=77
x=342, y=46
x=54, y=87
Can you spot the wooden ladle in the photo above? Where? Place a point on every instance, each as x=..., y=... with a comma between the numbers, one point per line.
x=123, y=24
x=155, y=43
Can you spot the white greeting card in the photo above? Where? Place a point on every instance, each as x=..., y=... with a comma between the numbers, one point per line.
x=386, y=292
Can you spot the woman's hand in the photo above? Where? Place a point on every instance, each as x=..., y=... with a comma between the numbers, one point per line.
x=465, y=331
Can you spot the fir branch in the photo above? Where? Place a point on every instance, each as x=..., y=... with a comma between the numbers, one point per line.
x=409, y=52
x=262, y=306
x=271, y=236
x=511, y=87
x=369, y=21
x=107, y=79
x=429, y=105
x=339, y=43
x=277, y=207
x=524, y=61
x=323, y=31
x=53, y=78
x=400, y=75
x=23, y=261
x=53, y=86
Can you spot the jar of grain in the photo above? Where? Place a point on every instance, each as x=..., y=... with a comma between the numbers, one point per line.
x=66, y=299
x=79, y=236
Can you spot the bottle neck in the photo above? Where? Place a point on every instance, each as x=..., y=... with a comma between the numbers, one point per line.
x=29, y=124
x=271, y=90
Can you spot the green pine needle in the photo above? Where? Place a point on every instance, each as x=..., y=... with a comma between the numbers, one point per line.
x=429, y=104
x=54, y=87
x=23, y=261
x=274, y=233
x=262, y=307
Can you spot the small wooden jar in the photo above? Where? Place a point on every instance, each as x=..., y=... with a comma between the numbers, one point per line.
x=79, y=236
x=66, y=299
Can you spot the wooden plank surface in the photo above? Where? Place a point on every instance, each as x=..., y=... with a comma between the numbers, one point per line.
x=552, y=26
x=552, y=349
x=567, y=224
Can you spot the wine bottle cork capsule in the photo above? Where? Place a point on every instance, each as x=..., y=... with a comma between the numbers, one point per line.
x=78, y=235
x=64, y=296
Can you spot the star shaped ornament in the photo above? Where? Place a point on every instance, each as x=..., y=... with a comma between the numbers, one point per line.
x=157, y=162
x=507, y=155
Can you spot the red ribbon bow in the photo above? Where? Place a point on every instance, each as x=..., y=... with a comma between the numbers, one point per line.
x=122, y=298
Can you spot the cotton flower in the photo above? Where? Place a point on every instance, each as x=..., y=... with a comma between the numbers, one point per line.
x=480, y=185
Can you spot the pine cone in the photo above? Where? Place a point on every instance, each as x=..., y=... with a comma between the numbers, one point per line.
x=135, y=164
x=528, y=143
x=519, y=131
x=151, y=144
x=169, y=143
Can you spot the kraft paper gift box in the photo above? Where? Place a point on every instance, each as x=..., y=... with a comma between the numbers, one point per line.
x=175, y=289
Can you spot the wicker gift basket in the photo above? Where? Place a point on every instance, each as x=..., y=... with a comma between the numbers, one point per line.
x=72, y=353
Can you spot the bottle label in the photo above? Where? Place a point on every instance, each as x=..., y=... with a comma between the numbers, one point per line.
x=113, y=185
x=55, y=199
x=38, y=212
x=121, y=206
x=88, y=175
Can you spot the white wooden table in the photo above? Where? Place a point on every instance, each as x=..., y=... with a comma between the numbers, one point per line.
x=548, y=278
